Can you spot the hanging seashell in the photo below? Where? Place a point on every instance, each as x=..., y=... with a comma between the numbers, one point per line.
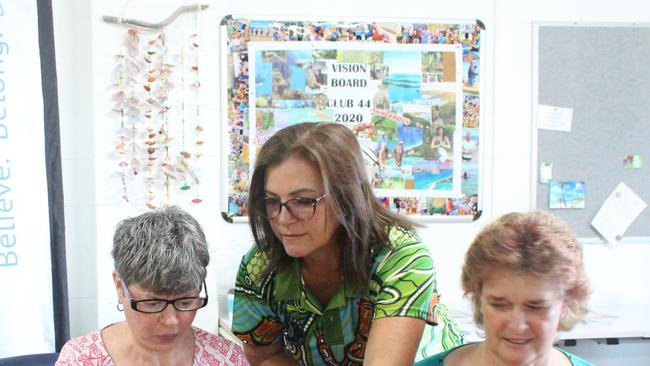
x=133, y=102
x=133, y=50
x=151, y=79
x=133, y=35
x=185, y=154
x=147, y=88
x=118, y=96
x=132, y=112
x=197, y=200
x=132, y=68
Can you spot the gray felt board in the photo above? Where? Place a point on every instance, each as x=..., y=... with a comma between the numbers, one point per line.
x=603, y=73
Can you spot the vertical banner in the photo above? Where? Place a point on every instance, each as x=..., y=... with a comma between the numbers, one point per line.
x=26, y=309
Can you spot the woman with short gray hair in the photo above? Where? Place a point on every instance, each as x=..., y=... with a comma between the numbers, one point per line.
x=160, y=260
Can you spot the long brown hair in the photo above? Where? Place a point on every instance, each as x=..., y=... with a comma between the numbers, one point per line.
x=365, y=223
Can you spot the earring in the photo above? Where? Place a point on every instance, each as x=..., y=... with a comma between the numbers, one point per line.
x=118, y=307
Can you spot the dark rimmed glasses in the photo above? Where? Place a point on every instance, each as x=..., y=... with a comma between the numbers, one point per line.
x=301, y=208
x=152, y=306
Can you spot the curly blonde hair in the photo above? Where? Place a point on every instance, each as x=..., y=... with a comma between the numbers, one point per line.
x=538, y=243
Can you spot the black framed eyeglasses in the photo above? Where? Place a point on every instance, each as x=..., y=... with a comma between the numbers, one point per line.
x=301, y=208
x=152, y=306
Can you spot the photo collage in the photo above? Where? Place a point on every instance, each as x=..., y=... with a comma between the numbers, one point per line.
x=399, y=87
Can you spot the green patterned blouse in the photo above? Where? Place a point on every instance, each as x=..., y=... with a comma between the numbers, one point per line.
x=278, y=308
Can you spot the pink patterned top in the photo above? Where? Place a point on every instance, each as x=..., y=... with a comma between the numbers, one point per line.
x=209, y=350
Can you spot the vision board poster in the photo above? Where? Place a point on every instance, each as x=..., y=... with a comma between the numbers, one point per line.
x=409, y=92
x=404, y=106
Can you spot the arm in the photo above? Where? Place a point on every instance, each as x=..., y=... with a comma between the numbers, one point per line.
x=434, y=143
x=393, y=341
x=445, y=143
x=405, y=289
x=270, y=355
x=254, y=321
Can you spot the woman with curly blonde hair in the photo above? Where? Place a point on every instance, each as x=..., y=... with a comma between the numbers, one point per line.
x=525, y=276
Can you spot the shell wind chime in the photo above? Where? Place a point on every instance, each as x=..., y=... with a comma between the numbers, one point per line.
x=160, y=136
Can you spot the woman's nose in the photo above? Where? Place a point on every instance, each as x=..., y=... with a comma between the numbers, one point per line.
x=170, y=315
x=518, y=321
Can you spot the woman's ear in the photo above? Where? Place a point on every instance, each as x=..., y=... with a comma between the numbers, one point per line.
x=117, y=280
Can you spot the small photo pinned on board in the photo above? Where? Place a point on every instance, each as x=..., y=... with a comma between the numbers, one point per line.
x=566, y=195
x=633, y=162
x=545, y=172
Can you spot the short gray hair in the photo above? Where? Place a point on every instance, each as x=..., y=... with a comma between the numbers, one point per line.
x=164, y=251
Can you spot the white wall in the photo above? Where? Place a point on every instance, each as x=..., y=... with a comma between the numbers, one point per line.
x=85, y=50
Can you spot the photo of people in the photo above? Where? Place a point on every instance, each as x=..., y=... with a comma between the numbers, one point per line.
x=471, y=70
x=441, y=145
x=440, y=67
x=469, y=177
x=469, y=145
